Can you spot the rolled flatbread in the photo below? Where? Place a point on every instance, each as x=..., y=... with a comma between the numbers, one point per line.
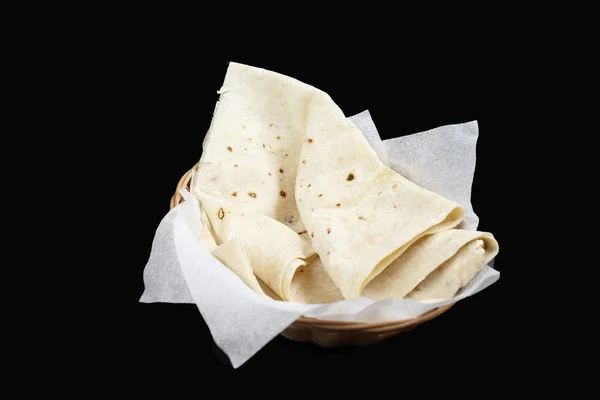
x=433, y=268
x=274, y=251
x=450, y=256
x=233, y=255
x=452, y=275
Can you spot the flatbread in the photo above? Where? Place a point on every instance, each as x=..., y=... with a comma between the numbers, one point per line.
x=360, y=214
x=274, y=251
x=312, y=285
x=428, y=262
x=233, y=255
x=206, y=237
x=298, y=204
x=252, y=147
x=454, y=274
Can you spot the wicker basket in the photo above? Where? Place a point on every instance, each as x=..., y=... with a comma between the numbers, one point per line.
x=334, y=333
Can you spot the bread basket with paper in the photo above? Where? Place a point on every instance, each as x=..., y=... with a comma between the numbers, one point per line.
x=300, y=221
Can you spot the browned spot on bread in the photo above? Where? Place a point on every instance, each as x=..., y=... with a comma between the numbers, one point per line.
x=378, y=193
x=312, y=235
x=329, y=252
x=270, y=125
x=234, y=194
x=350, y=177
x=303, y=161
x=270, y=174
x=310, y=140
x=301, y=233
x=395, y=205
x=280, y=171
x=309, y=185
x=328, y=231
x=361, y=217
x=338, y=205
x=229, y=148
x=279, y=137
x=221, y=213
x=235, y=165
x=252, y=194
x=282, y=194
x=286, y=154
x=321, y=195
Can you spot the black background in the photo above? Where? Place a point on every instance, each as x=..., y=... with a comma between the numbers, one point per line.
x=164, y=103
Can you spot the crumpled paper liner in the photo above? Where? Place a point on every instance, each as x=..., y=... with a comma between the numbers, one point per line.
x=241, y=322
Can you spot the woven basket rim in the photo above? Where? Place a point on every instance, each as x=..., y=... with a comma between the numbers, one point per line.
x=332, y=325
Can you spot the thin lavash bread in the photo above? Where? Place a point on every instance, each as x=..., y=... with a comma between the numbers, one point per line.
x=249, y=161
x=360, y=214
x=273, y=250
x=233, y=254
x=283, y=150
x=433, y=267
x=252, y=147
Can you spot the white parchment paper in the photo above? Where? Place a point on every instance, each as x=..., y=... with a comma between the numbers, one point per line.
x=241, y=322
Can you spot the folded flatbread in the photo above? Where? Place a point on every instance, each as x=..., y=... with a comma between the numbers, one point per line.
x=445, y=281
x=312, y=285
x=207, y=238
x=311, y=209
x=233, y=255
x=431, y=257
x=252, y=147
x=360, y=214
x=273, y=250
